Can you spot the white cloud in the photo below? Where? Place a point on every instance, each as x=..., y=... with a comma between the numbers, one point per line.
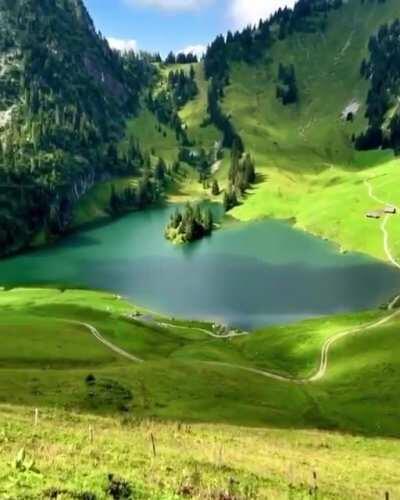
x=197, y=50
x=171, y=5
x=122, y=45
x=244, y=12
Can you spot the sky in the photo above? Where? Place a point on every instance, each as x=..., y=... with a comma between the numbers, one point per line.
x=178, y=25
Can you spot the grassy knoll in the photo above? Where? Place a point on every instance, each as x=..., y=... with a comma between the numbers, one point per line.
x=195, y=116
x=146, y=129
x=50, y=362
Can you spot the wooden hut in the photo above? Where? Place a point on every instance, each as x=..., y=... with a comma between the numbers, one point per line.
x=389, y=209
x=373, y=215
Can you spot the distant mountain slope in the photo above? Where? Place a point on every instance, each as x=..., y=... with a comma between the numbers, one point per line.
x=326, y=53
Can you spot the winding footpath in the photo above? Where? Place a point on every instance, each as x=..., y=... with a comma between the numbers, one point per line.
x=326, y=348
x=112, y=347
x=323, y=367
x=386, y=244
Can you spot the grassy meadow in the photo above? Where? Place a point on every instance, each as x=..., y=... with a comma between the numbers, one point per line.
x=218, y=429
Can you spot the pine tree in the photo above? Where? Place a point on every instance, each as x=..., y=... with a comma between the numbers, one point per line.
x=215, y=191
x=114, y=201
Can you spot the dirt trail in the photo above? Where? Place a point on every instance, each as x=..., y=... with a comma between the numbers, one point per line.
x=207, y=332
x=97, y=335
x=299, y=381
x=386, y=244
x=323, y=367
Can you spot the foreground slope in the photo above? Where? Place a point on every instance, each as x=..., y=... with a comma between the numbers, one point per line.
x=107, y=377
x=74, y=455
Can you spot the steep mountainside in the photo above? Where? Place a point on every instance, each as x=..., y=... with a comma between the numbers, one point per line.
x=63, y=97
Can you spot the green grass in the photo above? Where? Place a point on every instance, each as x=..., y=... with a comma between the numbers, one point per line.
x=205, y=461
x=307, y=168
x=144, y=128
x=175, y=383
x=46, y=359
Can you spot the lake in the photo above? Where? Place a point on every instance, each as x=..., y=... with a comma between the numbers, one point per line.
x=246, y=275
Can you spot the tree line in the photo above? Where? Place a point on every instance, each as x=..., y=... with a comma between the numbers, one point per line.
x=182, y=86
x=253, y=42
x=181, y=58
x=382, y=70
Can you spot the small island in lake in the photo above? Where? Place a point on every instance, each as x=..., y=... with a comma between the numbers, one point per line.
x=190, y=224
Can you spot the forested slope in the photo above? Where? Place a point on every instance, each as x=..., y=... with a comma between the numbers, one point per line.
x=63, y=98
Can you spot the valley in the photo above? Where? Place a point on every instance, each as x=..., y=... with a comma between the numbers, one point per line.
x=199, y=282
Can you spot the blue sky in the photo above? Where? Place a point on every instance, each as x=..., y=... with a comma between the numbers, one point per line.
x=163, y=25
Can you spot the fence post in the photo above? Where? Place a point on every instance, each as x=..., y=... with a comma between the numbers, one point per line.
x=153, y=442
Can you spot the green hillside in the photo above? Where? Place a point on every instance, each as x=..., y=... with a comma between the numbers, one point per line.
x=309, y=171
x=301, y=150
x=187, y=372
x=176, y=371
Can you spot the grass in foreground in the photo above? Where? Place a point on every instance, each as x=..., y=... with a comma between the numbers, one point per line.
x=71, y=456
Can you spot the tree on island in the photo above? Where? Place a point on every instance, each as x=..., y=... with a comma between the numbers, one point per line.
x=191, y=224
